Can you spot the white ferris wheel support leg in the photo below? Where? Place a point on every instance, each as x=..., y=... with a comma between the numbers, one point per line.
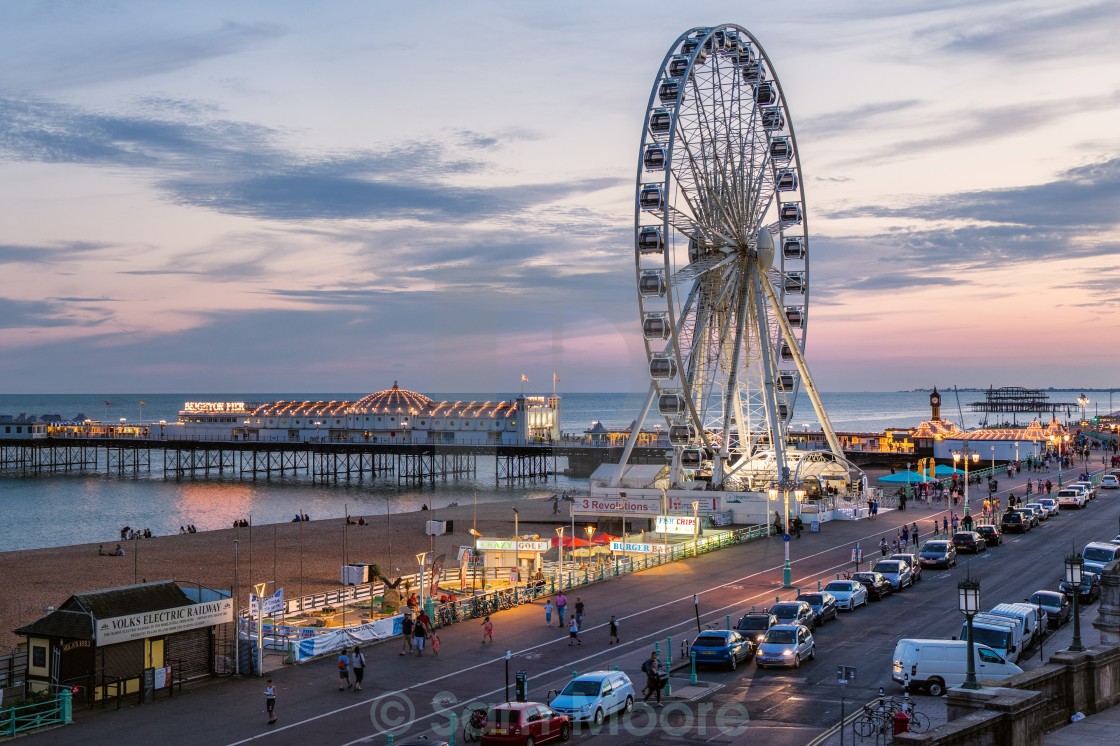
x=777, y=432
x=633, y=439
x=731, y=396
x=803, y=369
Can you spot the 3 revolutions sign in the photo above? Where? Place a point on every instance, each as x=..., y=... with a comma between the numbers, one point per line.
x=163, y=622
x=620, y=505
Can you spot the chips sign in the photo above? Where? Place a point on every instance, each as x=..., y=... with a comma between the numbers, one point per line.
x=510, y=545
x=675, y=524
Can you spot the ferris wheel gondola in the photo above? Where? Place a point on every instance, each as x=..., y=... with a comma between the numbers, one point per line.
x=721, y=256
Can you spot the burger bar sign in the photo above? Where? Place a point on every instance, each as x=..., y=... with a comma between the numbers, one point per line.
x=620, y=505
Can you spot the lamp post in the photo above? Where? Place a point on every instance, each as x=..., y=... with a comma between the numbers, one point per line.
x=785, y=485
x=590, y=533
x=696, y=529
x=1016, y=451
x=1084, y=402
x=1075, y=566
x=968, y=601
x=1059, y=441
x=993, y=460
x=560, y=551
x=422, y=561
x=907, y=480
x=966, y=454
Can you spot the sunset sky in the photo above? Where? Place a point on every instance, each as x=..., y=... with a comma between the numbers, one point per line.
x=278, y=196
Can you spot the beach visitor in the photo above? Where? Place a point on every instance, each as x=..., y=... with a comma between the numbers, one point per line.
x=573, y=632
x=487, y=631
x=343, y=671
x=561, y=607
x=435, y=643
x=100, y=550
x=270, y=701
x=406, y=633
x=419, y=634
x=119, y=551
x=578, y=618
x=358, y=663
x=614, y=631
x=548, y=613
x=655, y=676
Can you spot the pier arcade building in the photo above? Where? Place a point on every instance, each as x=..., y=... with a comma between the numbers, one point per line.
x=395, y=415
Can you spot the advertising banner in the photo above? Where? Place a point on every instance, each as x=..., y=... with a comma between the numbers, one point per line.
x=617, y=505
x=163, y=622
x=633, y=547
x=705, y=504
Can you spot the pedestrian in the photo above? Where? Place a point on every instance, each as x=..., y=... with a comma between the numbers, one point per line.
x=406, y=633
x=487, y=630
x=798, y=524
x=614, y=631
x=573, y=632
x=270, y=701
x=914, y=533
x=561, y=607
x=343, y=671
x=655, y=677
x=548, y=613
x=883, y=547
x=435, y=643
x=579, y=612
x=358, y=663
x=419, y=635
x=945, y=525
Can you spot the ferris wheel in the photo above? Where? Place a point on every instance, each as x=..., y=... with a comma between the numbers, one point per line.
x=721, y=258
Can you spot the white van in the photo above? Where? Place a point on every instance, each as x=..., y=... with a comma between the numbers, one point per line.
x=1097, y=554
x=1033, y=621
x=1000, y=633
x=938, y=664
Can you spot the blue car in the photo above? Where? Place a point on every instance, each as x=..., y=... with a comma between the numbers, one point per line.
x=724, y=646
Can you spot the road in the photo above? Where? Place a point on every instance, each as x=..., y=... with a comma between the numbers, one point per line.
x=412, y=695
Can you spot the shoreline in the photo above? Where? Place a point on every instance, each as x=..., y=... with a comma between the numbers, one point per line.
x=301, y=557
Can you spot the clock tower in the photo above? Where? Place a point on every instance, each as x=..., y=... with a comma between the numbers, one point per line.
x=935, y=404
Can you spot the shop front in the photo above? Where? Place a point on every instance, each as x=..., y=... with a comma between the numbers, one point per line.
x=520, y=557
x=132, y=640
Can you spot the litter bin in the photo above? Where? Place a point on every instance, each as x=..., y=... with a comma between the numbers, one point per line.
x=901, y=722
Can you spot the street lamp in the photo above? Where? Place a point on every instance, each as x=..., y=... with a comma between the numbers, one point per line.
x=1016, y=452
x=967, y=454
x=785, y=485
x=422, y=560
x=968, y=601
x=516, y=529
x=1059, y=441
x=590, y=532
x=1084, y=402
x=993, y=460
x=1075, y=566
x=560, y=551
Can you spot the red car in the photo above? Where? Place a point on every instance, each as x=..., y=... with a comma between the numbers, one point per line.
x=524, y=724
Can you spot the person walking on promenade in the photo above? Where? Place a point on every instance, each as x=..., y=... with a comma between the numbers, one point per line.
x=406, y=633
x=655, y=673
x=573, y=632
x=883, y=546
x=343, y=671
x=561, y=607
x=435, y=643
x=419, y=635
x=955, y=521
x=270, y=701
x=358, y=663
x=945, y=526
x=914, y=534
x=614, y=631
x=579, y=612
x=487, y=631
x=548, y=613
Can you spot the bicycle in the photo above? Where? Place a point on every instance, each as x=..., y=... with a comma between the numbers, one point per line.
x=472, y=728
x=872, y=723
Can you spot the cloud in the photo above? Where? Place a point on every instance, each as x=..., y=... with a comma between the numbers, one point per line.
x=47, y=254
x=1032, y=33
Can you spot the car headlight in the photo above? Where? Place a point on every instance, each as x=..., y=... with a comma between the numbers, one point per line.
x=585, y=708
x=787, y=653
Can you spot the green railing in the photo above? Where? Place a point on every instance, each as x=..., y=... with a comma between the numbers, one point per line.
x=24, y=718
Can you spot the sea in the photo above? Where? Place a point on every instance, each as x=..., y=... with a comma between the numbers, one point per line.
x=62, y=509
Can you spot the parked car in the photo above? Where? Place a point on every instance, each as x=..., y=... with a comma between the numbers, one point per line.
x=753, y=625
x=823, y=605
x=1097, y=554
x=1087, y=487
x=938, y=553
x=939, y=664
x=594, y=696
x=969, y=541
x=1014, y=521
x=1071, y=498
x=1029, y=514
x=878, y=587
x=1109, y=482
x=1089, y=590
x=1050, y=504
x=725, y=646
x=848, y=593
x=786, y=645
x=1054, y=603
x=793, y=612
x=524, y=722
x=896, y=571
x=991, y=535
x=912, y=560
x=1042, y=513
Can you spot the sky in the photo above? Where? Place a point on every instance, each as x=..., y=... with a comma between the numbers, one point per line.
x=279, y=196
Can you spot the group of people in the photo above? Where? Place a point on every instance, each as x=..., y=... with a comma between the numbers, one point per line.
x=361, y=521
x=128, y=533
x=118, y=552
x=416, y=633
x=188, y=529
x=346, y=664
x=300, y=517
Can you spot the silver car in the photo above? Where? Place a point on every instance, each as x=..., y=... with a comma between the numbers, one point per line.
x=785, y=645
x=849, y=593
x=896, y=571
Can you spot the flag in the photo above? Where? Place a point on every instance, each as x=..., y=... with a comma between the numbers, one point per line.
x=142, y=402
x=524, y=378
x=108, y=403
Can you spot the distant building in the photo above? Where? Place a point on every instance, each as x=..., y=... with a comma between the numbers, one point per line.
x=24, y=426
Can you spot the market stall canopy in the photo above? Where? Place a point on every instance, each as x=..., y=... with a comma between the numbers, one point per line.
x=944, y=470
x=905, y=477
x=603, y=539
x=568, y=541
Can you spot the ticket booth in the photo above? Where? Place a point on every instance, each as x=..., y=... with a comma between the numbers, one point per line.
x=133, y=640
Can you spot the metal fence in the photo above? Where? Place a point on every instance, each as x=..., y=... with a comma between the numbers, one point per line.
x=51, y=711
